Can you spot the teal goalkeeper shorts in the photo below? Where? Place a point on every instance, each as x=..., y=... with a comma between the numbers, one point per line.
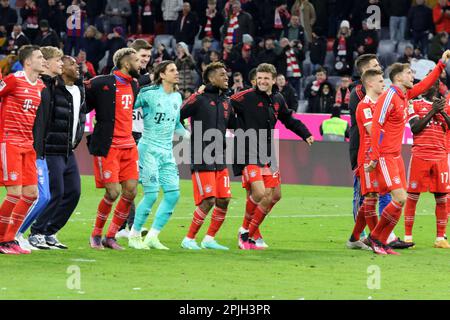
x=157, y=168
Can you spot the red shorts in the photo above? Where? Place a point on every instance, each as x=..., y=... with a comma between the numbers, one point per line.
x=211, y=184
x=368, y=181
x=118, y=166
x=18, y=165
x=252, y=173
x=390, y=174
x=424, y=176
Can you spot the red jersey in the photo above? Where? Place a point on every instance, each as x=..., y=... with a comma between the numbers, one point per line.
x=431, y=143
x=123, y=124
x=392, y=111
x=364, y=112
x=21, y=98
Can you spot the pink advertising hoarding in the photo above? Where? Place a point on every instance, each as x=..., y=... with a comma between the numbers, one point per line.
x=313, y=121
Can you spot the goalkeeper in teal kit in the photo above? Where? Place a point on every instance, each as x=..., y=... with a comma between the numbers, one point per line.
x=157, y=168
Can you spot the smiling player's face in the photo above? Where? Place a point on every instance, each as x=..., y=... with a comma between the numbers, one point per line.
x=264, y=81
x=220, y=79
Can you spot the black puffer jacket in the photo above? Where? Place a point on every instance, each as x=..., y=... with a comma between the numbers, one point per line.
x=59, y=136
x=43, y=116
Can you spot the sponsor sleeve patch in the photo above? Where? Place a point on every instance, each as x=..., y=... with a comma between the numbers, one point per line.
x=368, y=113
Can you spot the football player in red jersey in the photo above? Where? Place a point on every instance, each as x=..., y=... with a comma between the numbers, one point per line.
x=428, y=167
x=112, y=144
x=374, y=84
x=21, y=93
x=390, y=117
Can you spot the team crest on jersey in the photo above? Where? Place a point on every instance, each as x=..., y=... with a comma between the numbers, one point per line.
x=208, y=188
x=107, y=174
x=413, y=185
x=175, y=107
x=410, y=109
x=396, y=180
x=253, y=173
x=368, y=113
x=375, y=184
x=13, y=175
x=153, y=179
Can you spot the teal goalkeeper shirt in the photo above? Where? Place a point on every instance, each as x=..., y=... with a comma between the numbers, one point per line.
x=161, y=112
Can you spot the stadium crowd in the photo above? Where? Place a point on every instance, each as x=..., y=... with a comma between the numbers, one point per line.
x=313, y=49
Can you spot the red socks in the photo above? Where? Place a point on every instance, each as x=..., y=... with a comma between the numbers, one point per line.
x=360, y=223
x=5, y=213
x=103, y=211
x=410, y=212
x=367, y=215
x=388, y=221
x=120, y=216
x=249, y=211
x=197, y=221
x=17, y=216
x=370, y=212
x=441, y=215
x=258, y=218
x=217, y=219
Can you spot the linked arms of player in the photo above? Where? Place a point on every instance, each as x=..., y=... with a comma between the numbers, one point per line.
x=189, y=107
x=430, y=79
x=180, y=129
x=295, y=125
x=417, y=125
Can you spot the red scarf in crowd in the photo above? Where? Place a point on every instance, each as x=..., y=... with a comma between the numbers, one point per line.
x=339, y=97
x=278, y=23
x=232, y=26
x=292, y=64
x=342, y=46
x=208, y=29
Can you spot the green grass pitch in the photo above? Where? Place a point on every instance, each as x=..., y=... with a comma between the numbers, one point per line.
x=307, y=258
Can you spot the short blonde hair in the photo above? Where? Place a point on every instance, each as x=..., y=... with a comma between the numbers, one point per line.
x=267, y=67
x=120, y=55
x=51, y=52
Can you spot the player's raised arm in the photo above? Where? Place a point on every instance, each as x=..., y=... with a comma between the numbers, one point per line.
x=430, y=79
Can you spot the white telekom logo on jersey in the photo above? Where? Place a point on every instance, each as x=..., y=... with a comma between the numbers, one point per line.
x=27, y=105
x=126, y=101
